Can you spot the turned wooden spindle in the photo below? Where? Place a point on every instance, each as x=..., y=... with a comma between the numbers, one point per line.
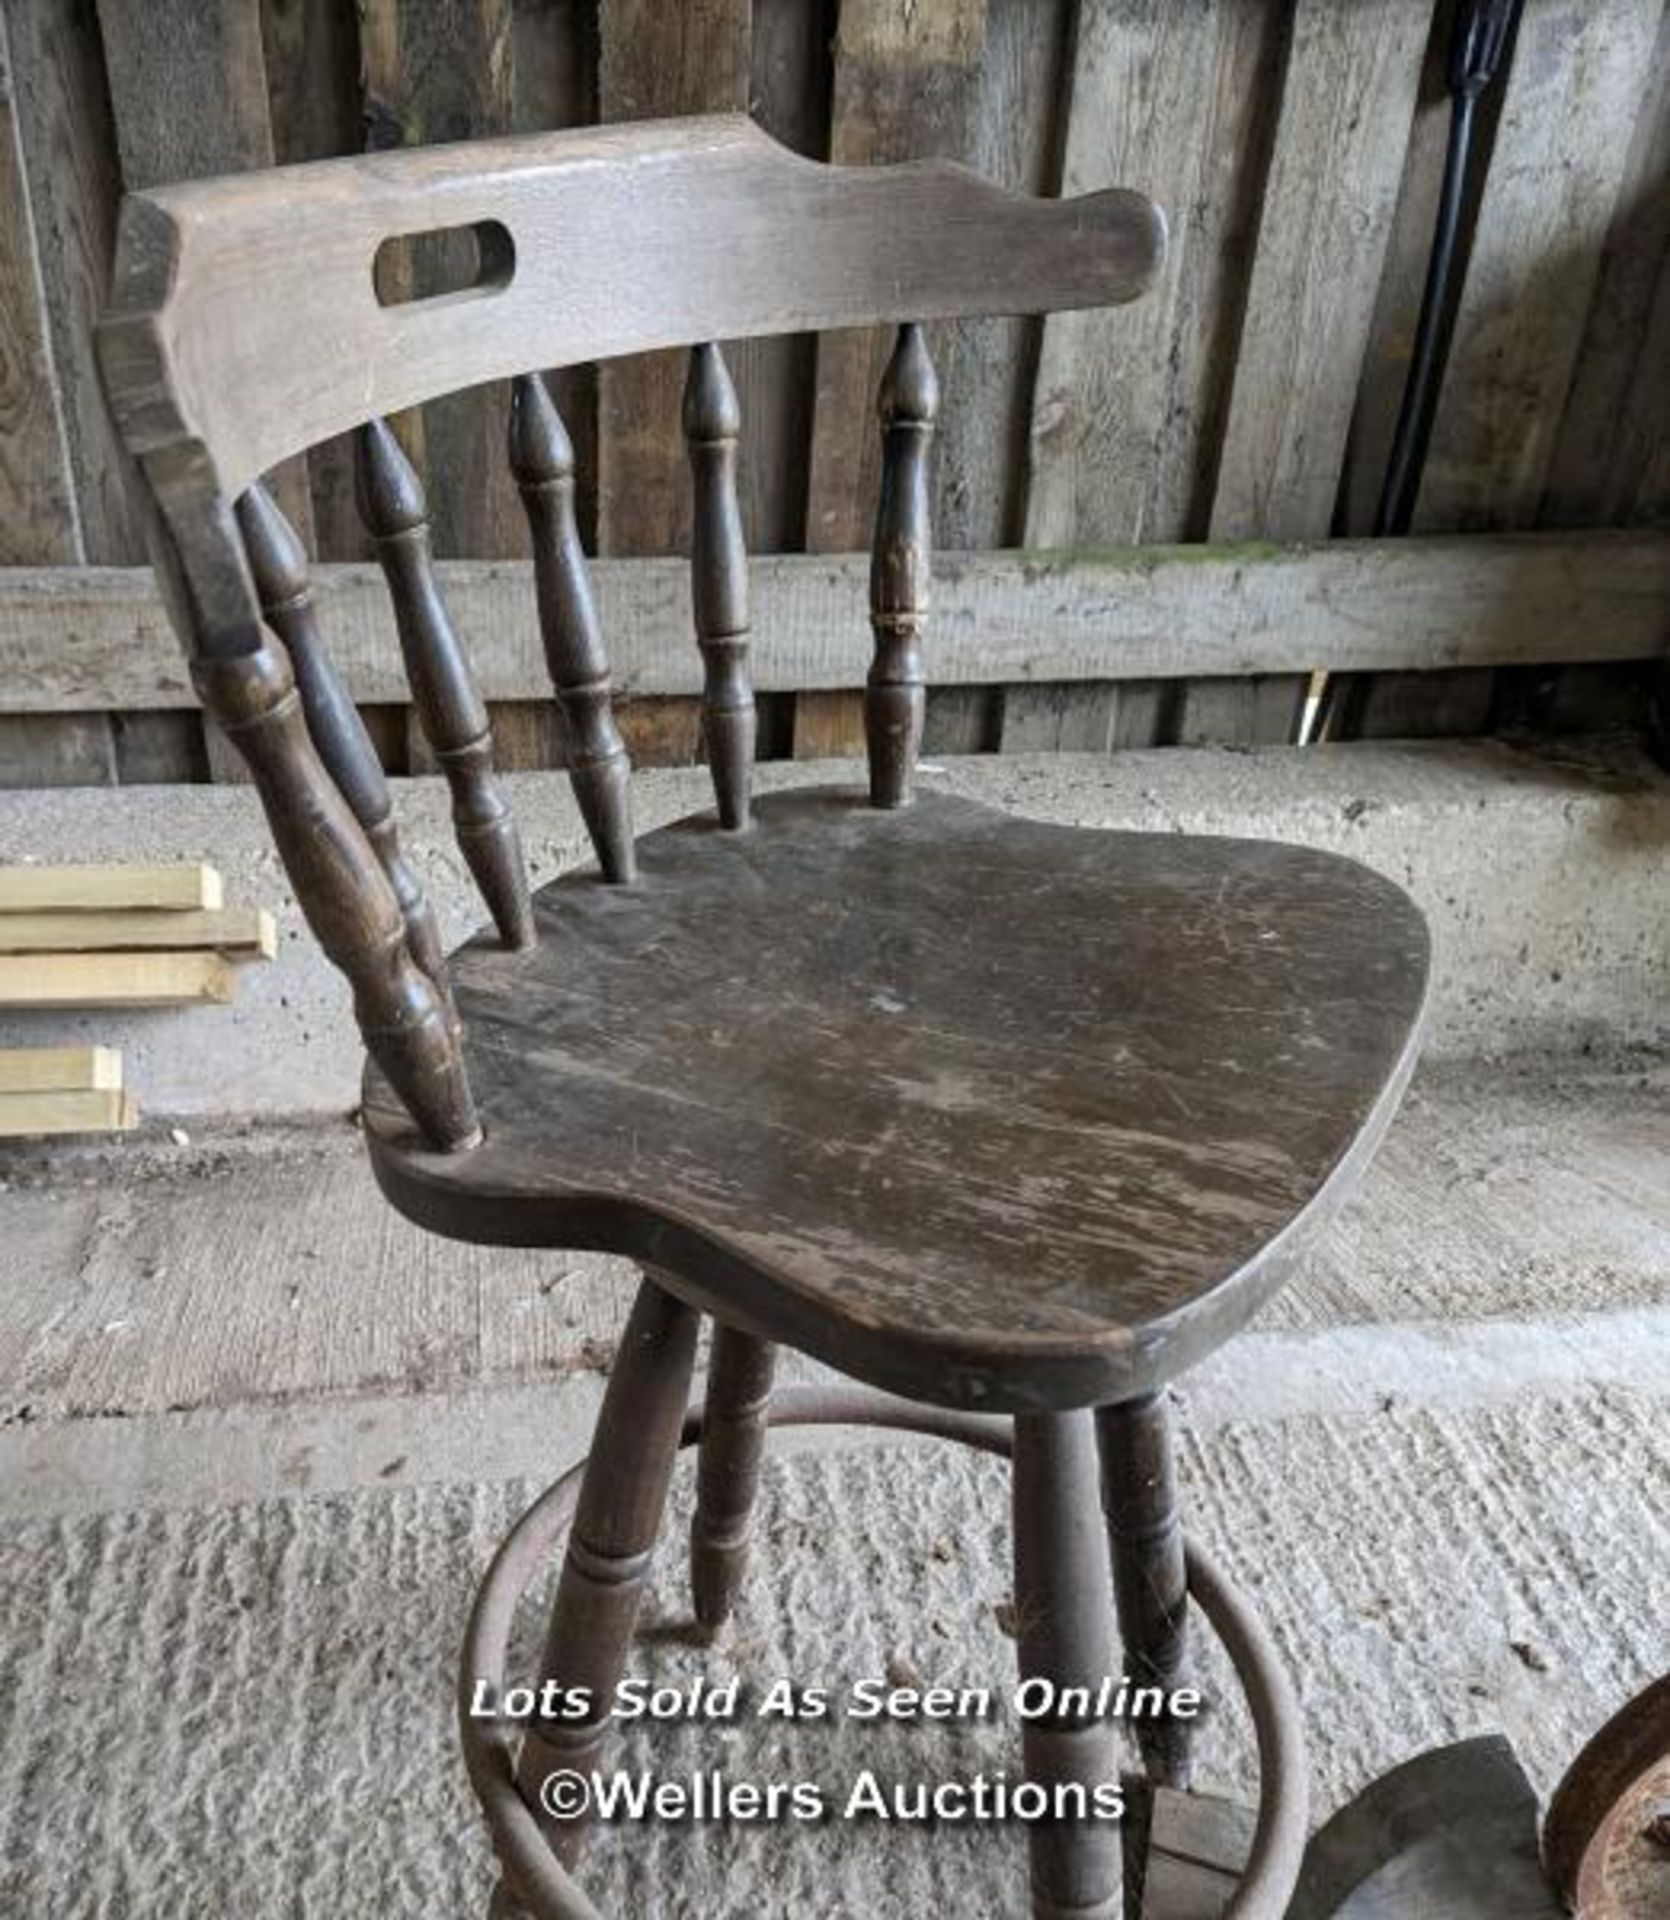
x=719, y=581
x=542, y=459
x=611, y=1544
x=449, y=704
x=728, y=1472
x=1150, y=1580
x=279, y=565
x=342, y=889
x=1062, y=1636
x=899, y=569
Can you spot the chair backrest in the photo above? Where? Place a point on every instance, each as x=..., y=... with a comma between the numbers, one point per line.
x=246, y=324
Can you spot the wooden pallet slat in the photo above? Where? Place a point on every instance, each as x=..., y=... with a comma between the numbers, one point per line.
x=436, y=71
x=38, y=523
x=59, y=1069
x=1128, y=402
x=77, y=1110
x=656, y=61
x=78, y=980
x=1611, y=463
x=177, y=887
x=69, y=149
x=1341, y=137
x=96, y=641
x=188, y=86
x=241, y=932
x=1348, y=101
x=1574, y=90
x=906, y=87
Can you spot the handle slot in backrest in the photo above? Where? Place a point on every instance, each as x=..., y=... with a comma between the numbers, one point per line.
x=440, y=263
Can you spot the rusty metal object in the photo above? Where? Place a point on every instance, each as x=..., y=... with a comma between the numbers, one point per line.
x=537, y=1883
x=1604, y=1841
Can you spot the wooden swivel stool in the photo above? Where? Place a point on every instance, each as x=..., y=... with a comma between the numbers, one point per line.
x=998, y=1118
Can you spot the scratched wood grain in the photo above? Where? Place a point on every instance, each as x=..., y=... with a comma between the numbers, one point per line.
x=859, y=1167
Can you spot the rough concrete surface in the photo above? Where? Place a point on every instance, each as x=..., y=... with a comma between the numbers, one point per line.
x=246, y=1709
x=258, y=1438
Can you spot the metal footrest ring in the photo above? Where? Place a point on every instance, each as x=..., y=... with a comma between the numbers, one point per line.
x=545, y=1890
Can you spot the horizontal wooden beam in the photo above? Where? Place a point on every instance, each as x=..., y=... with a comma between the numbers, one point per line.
x=113, y=979
x=74, y=639
x=60, y=1069
x=245, y=932
x=25, y=1116
x=181, y=886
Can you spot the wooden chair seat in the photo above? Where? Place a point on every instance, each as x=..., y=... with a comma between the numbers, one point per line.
x=990, y=1111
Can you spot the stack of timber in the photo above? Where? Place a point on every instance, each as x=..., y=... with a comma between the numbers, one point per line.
x=63, y=1090
x=85, y=937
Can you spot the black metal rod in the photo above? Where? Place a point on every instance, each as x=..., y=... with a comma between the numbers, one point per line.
x=1479, y=37
x=1419, y=406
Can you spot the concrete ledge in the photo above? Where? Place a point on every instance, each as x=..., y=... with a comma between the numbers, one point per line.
x=1546, y=875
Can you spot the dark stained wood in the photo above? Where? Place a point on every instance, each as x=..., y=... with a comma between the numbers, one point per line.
x=313, y=59
x=542, y=459
x=719, y=581
x=279, y=566
x=1062, y=1636
x=614, y=231
x=845, y=1078
x=1145, y=1539
x=728, y=1473
x=434, y=70
x=188, y=86
x=342, y=890
x=655, y=62
x=37, y=485
x=899, y=568
x=444, y=690
x=788, y=94
x=614, y=1534
x=69, y=149
x=906, y=84
x=554, y=84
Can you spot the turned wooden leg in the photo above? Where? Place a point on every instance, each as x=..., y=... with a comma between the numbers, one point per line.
x=728, y=1473
x=1064, y=1634
x=613, y=1538
x=1139, y=1492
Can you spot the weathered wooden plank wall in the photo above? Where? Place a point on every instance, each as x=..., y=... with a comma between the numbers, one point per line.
x=1296, y=147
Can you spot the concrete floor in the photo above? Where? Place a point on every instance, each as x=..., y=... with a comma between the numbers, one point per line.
x=257, y=1438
